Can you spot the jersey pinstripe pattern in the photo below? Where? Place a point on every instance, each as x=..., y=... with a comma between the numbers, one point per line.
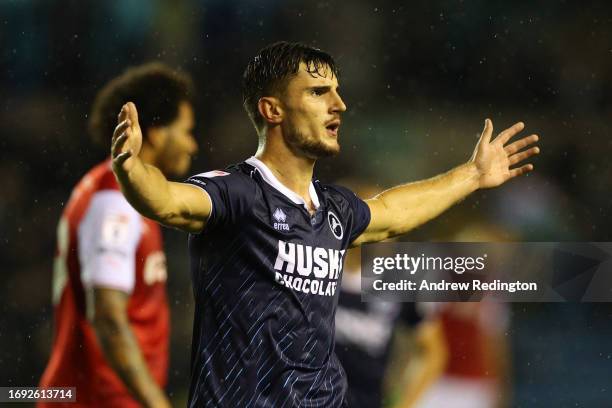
x=265, y=277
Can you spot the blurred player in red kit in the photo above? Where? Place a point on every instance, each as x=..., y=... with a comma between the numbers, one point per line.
x=476, y=375
x=476, y=335
x=111, y=315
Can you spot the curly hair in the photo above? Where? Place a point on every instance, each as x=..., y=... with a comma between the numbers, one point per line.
x=269, y=72
x=157, y=91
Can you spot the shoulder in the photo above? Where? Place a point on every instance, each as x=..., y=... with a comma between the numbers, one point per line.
x=336, y=190
x=110, y=213
x=107, y=180
x=111, y=200
x=339, y=194
x=231, y=191
x=349, y=206
x=100, y=177
x=109, y=224
x=235, y=177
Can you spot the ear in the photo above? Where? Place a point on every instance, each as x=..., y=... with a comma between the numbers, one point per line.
x=270, y=109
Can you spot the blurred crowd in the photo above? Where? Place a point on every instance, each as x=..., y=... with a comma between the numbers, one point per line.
x=418, y=78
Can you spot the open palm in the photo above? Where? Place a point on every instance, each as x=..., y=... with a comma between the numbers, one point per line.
x=494, y=159
x=127, y=139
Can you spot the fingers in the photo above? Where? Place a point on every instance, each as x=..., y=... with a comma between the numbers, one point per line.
x=122, y=132
x=117, y=154
x=120, y=136
x=519, y=171
x=519, y=157
x=122, y=157
x=118, y=144
x=121, y=127
x=126, y=118
x=487, y=131
x=520, y=144
x=122, y=114
x=510, y=132
x=132, y=113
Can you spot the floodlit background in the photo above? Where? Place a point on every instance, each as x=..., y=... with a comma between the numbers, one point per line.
x=418, y=77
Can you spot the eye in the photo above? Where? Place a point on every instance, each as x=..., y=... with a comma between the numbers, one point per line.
x=318, y=91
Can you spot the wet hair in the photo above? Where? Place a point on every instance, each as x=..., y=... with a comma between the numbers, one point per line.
x=157, y=91
x=270, y=71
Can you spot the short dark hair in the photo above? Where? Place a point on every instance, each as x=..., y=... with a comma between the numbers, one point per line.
x=157, y=91
x=270, y=70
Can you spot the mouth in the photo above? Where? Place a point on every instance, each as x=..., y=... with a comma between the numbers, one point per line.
x=333, y=127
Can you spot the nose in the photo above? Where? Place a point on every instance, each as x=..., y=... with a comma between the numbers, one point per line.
x=338, y=104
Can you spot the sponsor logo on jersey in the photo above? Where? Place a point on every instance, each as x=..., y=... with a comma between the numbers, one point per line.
x=308, y=269
x=335, y=225
x=281, y=218
x=208, y=174
x=197, y=181
x=213, y=173
x=155, y=268
x=115, y=229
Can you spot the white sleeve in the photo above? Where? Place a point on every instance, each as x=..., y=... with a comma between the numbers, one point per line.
x=108, y=237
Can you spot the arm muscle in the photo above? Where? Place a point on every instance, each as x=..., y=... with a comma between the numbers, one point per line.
x=403, y=208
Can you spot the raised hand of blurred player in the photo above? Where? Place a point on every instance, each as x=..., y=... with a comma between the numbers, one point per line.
x=127, y=139
x=495, y=159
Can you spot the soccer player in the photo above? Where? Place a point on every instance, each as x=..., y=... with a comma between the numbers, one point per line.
x=267, y=240
x=111, y=315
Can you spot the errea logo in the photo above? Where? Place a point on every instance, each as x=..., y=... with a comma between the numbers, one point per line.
x=280, y=217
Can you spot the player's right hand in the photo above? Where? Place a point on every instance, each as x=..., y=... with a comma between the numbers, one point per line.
x=127, y=139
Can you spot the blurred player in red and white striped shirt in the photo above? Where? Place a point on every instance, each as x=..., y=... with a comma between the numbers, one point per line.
x=111, y=315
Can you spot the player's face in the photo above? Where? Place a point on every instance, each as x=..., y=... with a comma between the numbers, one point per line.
x=174, y=154
x=312, y=108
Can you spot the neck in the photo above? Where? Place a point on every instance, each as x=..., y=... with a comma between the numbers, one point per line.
x=295, y=172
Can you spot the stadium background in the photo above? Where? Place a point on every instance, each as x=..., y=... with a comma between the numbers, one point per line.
x=418, y=79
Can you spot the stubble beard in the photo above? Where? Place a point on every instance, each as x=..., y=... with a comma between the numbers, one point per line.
x=302, y=145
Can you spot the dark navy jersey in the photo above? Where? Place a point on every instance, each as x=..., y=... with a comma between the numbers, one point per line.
x=266, y=279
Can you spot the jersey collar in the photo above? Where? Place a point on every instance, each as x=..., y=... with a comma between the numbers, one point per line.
x=271, y=179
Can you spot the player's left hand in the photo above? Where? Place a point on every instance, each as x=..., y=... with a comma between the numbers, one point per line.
x=493, y=159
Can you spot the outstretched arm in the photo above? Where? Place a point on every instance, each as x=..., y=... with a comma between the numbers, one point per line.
x=177, y=205
x=402, y=208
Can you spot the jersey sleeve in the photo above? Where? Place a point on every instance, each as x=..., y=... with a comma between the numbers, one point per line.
x=108, y=238
x=229, y=194
x=359, y=210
